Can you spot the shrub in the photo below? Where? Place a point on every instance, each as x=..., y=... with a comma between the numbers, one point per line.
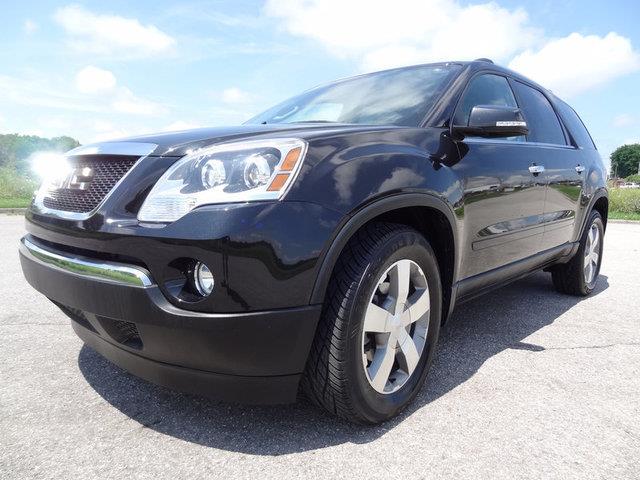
x=633, y=178
x=625, y=200
x=14, y=185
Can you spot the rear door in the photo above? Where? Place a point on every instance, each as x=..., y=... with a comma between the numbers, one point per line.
x=560, y=160
x=503, y=200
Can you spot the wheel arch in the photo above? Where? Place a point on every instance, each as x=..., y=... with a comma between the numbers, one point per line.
x=426, y=213
x=601, y=204
x=599, y=201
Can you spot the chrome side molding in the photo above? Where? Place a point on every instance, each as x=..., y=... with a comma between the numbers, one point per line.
x=536, y=169
x=129, y=275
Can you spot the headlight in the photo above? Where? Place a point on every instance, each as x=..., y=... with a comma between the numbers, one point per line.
x=236, y=172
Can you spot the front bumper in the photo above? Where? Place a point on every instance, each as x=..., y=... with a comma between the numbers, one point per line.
x=252, y=357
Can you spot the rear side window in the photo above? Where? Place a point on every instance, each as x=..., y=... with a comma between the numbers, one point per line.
x=544, y=126
x=484, y=90
x=577, y=129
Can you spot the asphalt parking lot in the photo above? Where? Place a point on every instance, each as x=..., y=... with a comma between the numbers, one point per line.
x=527, y=383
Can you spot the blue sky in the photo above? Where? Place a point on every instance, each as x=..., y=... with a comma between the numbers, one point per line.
x=99, y=70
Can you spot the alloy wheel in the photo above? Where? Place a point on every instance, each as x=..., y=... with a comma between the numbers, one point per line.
x=395, y=326
x=591, y=254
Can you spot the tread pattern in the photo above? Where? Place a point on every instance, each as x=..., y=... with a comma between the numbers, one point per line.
x=563, y=277
x=567, y=278
x=324, y=381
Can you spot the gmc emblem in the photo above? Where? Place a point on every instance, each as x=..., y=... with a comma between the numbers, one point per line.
x=79, y=179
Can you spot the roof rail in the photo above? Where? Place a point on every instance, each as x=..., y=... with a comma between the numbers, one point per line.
x=488, y=60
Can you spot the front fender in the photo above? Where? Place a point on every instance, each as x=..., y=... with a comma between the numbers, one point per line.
x=358, y=219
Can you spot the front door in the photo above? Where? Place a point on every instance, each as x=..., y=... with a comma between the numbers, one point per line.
x=504, y=193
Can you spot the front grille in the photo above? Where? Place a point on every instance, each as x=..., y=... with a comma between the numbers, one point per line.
x=107, y=171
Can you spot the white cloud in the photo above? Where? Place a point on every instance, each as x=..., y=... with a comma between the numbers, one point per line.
x=576, y=63
x=229, y=116
x=54, y=93
x=109, y=135
x=380, y=34
x=102, y=126
x=95, y=80
x=29, y=26
x=180, y=125
x=126, y=102
x=43, y=92
x=385, y=34
x=104, y=130
x=624, y=120
x=235, y=95
x=109, y=34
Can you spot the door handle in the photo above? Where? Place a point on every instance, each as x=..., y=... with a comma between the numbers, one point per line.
x=579, y=169
x=536, y=169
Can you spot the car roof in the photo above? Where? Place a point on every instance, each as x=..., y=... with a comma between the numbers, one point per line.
x=481, y=64
x=486, y=65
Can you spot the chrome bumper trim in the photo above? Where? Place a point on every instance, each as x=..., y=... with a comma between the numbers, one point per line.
x=122, y=274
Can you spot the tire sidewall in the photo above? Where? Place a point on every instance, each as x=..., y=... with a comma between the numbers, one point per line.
x=376, y=406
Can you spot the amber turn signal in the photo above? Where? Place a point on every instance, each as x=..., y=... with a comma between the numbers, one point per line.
x=278, y=182
x=291, y=159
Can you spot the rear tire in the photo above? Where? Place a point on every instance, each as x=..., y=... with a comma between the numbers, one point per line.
x=364, y=331
x=580, y=275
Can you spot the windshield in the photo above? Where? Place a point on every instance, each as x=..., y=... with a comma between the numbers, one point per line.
x=393, y=97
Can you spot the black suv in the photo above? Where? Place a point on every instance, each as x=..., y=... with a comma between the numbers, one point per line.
x=320, y=246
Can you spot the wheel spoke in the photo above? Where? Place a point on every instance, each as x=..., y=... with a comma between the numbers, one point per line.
x=587, y=261
x=409, y=351
x=588, y=272
x=419, y=305
x=590, y=237
x=594, y=258
x=400, y=304
x=375, y=320
x=382, y=363
x=594, y=242
x=400, y=279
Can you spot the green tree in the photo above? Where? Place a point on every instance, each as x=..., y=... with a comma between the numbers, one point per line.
x=625, y=160
x=15, y=149
x=16, y=177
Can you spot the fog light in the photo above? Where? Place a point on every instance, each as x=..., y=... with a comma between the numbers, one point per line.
x=203, y=279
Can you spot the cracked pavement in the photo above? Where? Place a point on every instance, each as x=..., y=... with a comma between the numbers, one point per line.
x=527, y=383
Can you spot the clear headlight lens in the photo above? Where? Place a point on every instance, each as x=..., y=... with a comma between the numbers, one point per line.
x=236, y=172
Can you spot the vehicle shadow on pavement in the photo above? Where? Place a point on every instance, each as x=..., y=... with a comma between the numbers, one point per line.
x=479, y=329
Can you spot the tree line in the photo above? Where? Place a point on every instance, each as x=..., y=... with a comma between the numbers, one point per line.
x=16, y=149
x=17, y=180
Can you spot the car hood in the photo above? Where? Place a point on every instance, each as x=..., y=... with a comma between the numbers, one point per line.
x=179, y=143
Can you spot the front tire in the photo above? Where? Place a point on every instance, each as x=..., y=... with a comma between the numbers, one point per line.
x=580, y=275
x=379, y=328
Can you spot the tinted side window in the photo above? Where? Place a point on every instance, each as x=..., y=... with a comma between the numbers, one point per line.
x=484, y=90
x=576, y=127
x=544, y=126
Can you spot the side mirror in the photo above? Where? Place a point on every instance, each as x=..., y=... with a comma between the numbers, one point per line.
x=493, y=121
